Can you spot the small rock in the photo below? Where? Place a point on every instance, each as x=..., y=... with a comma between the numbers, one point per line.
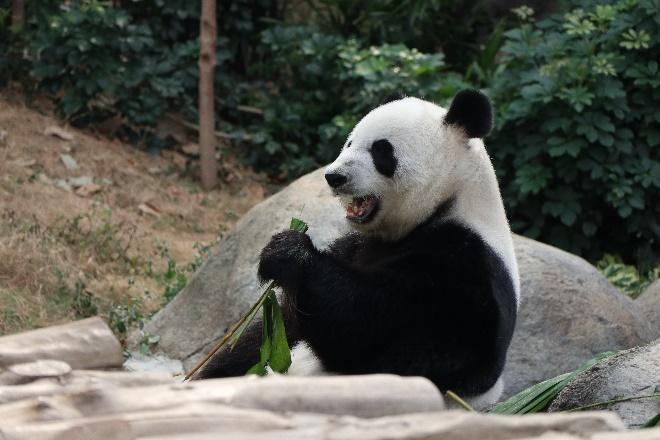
x=41, y=177
x=180, y=161
x=157, y=363
x=58, y=132
x=63, y=184
x=155, y=170
x=69, y=162
x=88, y=190
x=77, y=182
x=634, y=372
x=3, y=136
x=27, y=163
x=148, y=208
x=191, y=149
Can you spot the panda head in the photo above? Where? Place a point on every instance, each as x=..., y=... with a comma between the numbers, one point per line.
x=405, y=158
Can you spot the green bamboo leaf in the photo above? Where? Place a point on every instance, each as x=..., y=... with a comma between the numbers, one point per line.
x=259, y=369
x=537, y=397
x=653, y=423
x=280, y=355
x=298, y=225
x=267, y=331
x=529, y=398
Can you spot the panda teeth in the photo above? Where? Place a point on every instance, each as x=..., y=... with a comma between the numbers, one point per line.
x=360, y=207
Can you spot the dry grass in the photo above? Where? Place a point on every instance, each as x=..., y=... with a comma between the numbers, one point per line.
x=64, y=256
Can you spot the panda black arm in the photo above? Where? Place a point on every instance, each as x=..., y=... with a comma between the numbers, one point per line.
x=334, y=303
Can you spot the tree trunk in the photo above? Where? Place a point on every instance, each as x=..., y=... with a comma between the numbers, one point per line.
x=207, y=62
x=18, y=14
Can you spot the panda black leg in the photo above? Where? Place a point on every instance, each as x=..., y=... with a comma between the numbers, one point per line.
x=231, y=363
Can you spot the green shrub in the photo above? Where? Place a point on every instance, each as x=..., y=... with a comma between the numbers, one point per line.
x=454, y=27
x=577, y=144
x=320, y=85
x=626, y=277
x=97, y=63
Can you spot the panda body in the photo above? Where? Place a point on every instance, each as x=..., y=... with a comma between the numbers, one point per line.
x=427, y=285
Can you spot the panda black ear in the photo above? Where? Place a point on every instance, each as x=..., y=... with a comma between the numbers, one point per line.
x=394, y=96
x=471, y=110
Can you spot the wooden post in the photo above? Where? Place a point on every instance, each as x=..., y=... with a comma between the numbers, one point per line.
x=207, y=62
x=18, y=14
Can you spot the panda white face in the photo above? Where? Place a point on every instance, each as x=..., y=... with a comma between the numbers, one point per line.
x=398, y=164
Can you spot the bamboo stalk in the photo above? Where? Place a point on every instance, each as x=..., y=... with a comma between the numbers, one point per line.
x=452, y=395
x=231, y=332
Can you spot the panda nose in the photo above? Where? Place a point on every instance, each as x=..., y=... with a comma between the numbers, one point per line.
x=335, y=180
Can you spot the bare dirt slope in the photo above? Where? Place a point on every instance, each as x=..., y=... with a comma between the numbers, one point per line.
x=92, y=226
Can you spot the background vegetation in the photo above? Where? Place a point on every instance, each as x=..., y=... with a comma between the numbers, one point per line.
x=575, y=87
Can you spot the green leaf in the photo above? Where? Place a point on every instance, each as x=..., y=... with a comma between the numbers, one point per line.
x=534, y=398
x=280, y=355
x=653, y=423
x=267, y=330
x=259, y=369
x=537, y=397
x=298, y=225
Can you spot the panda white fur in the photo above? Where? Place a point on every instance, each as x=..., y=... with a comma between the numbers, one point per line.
x=427, y=284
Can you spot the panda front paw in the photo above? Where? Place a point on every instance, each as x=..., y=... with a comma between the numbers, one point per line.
x=285, y=258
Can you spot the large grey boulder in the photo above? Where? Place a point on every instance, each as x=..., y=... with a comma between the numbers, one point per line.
x=634, y=372
x=568, y=312
x=648, y=304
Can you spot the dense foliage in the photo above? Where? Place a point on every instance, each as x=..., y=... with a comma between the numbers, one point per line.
x=99, y=62
x=577, y=144
x=323, y=84
x=453, y=27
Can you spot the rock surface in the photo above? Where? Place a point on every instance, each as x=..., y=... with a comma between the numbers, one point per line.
x=156, y=363
x=649, y=306
x=569, y=312
x=634, y=372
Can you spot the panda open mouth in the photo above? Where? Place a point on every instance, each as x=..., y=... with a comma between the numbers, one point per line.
x=362, y=209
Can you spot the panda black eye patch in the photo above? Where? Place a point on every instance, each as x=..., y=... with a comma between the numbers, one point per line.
x=382, y=154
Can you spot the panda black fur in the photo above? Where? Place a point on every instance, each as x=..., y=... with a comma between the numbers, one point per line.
x=427, y=285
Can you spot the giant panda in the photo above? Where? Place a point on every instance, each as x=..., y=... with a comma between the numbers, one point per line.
x=427, y=283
